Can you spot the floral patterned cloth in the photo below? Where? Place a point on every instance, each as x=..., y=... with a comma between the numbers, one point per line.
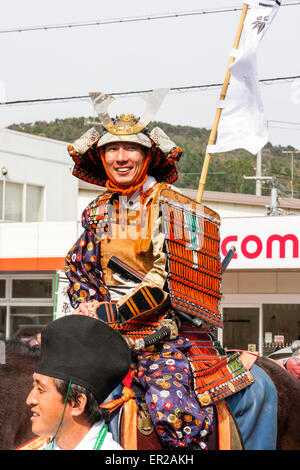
x=165, y=374
x=83, y=267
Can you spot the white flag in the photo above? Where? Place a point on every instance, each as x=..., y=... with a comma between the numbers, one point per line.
x=242, y=123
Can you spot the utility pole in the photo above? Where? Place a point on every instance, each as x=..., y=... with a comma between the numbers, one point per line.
x=260, y=178
x=273, y=207
x=292, y=152
x=258, y=173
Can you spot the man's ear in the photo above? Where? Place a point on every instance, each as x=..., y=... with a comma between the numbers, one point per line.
x=78, y=406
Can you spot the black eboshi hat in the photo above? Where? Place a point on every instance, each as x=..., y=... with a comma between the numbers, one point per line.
x=86, y=351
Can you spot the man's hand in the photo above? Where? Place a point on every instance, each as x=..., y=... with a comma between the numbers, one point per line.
x=87, y=308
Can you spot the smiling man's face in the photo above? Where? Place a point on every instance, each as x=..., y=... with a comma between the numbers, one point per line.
x=46, y=405
x=124, y=161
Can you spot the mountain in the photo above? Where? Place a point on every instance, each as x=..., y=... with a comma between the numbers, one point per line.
x=226, y=170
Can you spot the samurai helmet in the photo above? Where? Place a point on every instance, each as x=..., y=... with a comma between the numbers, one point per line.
x=88, y=149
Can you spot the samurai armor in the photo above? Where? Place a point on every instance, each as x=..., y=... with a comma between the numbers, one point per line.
x=192, y=244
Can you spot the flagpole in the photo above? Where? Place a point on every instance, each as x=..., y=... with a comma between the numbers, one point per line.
x=213, y=133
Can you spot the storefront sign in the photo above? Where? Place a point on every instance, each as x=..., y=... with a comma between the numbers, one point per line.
x=279, y=339
x=262, y=242
x=268, y=337
x=62, y=305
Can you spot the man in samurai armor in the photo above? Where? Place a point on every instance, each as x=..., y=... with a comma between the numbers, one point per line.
x=148, y=263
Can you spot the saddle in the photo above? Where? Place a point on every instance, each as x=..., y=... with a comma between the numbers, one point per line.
x=136, y=430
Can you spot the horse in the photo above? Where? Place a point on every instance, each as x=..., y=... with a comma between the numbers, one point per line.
x=288, y=390
x=16, y=382
x=15, y=385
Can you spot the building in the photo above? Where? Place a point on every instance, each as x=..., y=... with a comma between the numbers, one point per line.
x=38, y=208
x=261, y=286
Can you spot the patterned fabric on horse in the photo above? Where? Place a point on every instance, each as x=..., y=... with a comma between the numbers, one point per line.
x=255, y=411
x=176, y=414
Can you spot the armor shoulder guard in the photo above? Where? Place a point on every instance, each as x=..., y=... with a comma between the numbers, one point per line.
x=192, y=244
x=171, y=193
x=95, y=215
x=86, y=141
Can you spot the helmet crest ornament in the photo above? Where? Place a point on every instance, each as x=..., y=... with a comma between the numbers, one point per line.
x=127, y=124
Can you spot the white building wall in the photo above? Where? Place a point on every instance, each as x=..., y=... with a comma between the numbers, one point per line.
x=84, y=198
x=225, y=209
x=228, y=210
x=37, y=240
x=44, y=162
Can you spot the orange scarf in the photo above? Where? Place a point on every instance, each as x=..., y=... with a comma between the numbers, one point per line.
x=128, y=400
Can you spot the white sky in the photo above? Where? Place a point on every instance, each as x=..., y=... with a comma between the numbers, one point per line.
x=139, y=56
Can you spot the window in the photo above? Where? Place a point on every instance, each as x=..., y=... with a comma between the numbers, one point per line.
x=281, y=326
x=1, y=199
x=21, y=202
x=240, y=327
x=2, y=322
x=2, y=288
x=26, y=304
x=13, y=201
x=32, y=288
x=34, y=203
x=29, y=320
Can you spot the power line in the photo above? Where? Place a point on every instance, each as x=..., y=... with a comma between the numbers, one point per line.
x=289, y=125
x=123, y=20
x=284, y=127
x=284, y=122
x=128, y=93
x=209, y=173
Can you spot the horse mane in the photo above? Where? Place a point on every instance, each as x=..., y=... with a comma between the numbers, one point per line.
x=15, y=385
x=21, y=349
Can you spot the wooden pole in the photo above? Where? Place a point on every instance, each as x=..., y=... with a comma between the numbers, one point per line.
x=213, y=133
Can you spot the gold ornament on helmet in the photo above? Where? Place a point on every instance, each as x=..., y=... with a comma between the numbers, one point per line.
x=127, y=124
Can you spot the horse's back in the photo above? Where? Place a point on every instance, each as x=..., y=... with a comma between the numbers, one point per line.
x=15, y=384
x=288, y=391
